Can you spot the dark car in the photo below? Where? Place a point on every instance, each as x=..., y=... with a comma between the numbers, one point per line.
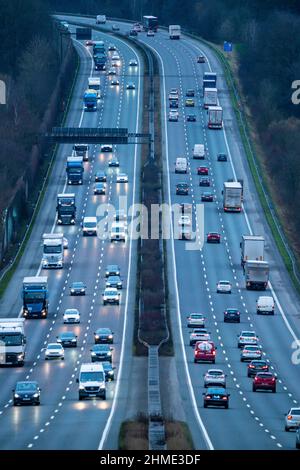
x=109, y=371
x=222, y=157
x=182, y=189
x=256, y=366
x=213, y=237
x=114, y=281
x=173, y=103
x=26, y=393
x=104, y=335
x=77, y=288
x=232, y=315
x=201, y=59
x=100, y=177
x=99, y=188
x=207, y=197
x=114, y=162
x=106, y=148
x=204, y=181
x=264, y=381
x=216, y=396
x=190, y=93
x=133, y=32
x=101, y=352
x=67, y=339
x=112, y=270
x=202, y=170
x=191, y=117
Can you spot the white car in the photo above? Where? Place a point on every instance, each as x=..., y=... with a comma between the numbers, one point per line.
x=106, y=148
x=150, y=33
x=247, y=337
x=173, y=116
x=199, y=334
x=71, y=315
x=184, y=220
x=54, y=351
x=133, y=63
x=111, y=296
x=66, y=243
x=292, y=419
x=115, y=27
x=195, y=320
x=122, y=178
x=214, y=377
x=224, y=287
x=250, y=353
x=115, y=57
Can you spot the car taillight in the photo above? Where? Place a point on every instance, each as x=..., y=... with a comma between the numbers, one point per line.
x=289, y=417
x=273, y=379
x=264, y=367
x=214, y=353
x=224, y=398
x=251, y=367
x=208, y=396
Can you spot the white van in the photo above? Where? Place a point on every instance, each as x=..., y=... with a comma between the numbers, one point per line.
x=100, y=19
x=181, y=165
x=89, y=226
x=265, y=305
x=199, y=152
x=91, y=381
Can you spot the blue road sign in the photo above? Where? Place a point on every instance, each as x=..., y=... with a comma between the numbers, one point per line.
x=227, y=46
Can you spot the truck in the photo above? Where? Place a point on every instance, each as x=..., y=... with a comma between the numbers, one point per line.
x=174, y=31
x=66, y=209
x=210, y=97
x=74, y=170
x=215, y=117
x=100, y=61
x=53, y=250
x=150, y=22
x=208, y=84
x=100, y=19
x=256, y=274
x=252, y=248
x=98, y=48
x=95, y=84
x=35, y=297
x=210, y=76
x=90, y=100
x=81, y=150
x=12, y=341
x=232, y=196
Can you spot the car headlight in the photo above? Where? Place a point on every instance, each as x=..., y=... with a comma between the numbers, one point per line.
x=81, y=387
x=102, y=386
x=36, y=395
x=58, y=340
x=96, y=336
x=109, y=353
x=110, y=372
x=93, y=354
x=110, y=337
x=72, y=221
x=82, y=290
x=16, y=395
x=72, y=290
x=74, y=340
x=59, y=221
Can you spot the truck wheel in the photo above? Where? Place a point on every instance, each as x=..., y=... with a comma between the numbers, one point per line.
x=104, y=396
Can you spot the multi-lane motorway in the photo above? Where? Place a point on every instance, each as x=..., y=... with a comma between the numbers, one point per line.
x=253, y=420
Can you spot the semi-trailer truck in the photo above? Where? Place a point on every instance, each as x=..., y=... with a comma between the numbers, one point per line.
x=212, y=76
x=90, y=100
x=12, y=341
x=66, y=209
x=208, y=84
x=95, y=84
x=210, y=97
x=35, y=297
x=232, y=196
x=81, y=150
x=256, y=274
x=174, y=31
x=215, y=117
x=150, y=22
x=252, y=248
x=53, y=250
x=74, y=170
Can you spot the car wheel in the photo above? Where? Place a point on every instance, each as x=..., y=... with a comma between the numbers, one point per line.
x=253, y=389
x=15, y=403
x=205, y=405
x=226, y=407
x=37, y=403
x=248, y=375
x=297, y=445
x=286, y=428
x=242, y=360
x=80, y=397
x=104, y=396
x=195, y=362
x=274, y=390
x=214, y=361
x=46, y=358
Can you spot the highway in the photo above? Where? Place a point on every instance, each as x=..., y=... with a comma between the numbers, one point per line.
x=62, y=422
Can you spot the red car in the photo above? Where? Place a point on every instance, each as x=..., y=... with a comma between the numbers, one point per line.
x=202, y=170
x=264, y=381
x=205, y=351
x=213, y=237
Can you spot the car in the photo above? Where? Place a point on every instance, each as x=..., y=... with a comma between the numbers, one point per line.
x=138, y=27
x=185, y=233
x=191, y=117
x=202, y=170
x=133, y=63
x=247, y=337
x=256, y=366
x=204, y=181
x=173, y=104
x=205, y=351
x=67, y=339
x=99, y=188
x=190, y=93
x=133, y=32
x=216, y=396
x=196, y=320
x=77, y=288
x=199, y=334
x=54, y=351
x=26, y=393
x=118, y=232
x=106, y=148
x=182, y=189
x=292, y=419
x=109, y=371
x=214, y=377
x=249, y=352
x=224, y=287
x=112, y=270
x=232, y=315
x=100, y=177
x=122, y=178
x=111, y=296
x=115, y=27
x=114, y=162
x=112, y=47
x=189, y=102
x=222, y=157
x=184, y=220
x=103, y=335
x=89, y=42
x=150, y=33
x=173, y=116
x=114, y=281
x=298, y=438
x=101, y=352
x=264, y=381
x=65, y=243
x=174, y=94
x=213, y=237
x=71, y=315
x=111, y=72
x=207, y=196
x=114, y=83
x=130, y=86
x=201, y=59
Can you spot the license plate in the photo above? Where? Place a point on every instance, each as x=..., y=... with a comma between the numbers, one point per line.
x=92, y=394
x=26, y=399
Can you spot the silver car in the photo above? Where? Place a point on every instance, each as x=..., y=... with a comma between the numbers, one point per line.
x=224, y=287
x=199, y=334
x=292, y=419
x=214, y=377
x=196, y=320
x=249, y=353
x=247, y=337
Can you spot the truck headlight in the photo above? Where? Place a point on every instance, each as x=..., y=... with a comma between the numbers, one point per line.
x=59, y=221
x=102, y=386
x=81, y=387
x=72, y=221
x=109, y=353
x=20, y=357
x=93, y=354
x=110, y=372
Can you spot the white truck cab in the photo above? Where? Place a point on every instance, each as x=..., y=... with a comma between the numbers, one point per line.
x=91, y=381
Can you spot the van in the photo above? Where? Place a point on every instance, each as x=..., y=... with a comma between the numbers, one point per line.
x=199, y=152
x=265, y=305
x=91, y=381
x=118, y=232
x=89, y=226
x=100, y=19
x=181, y=165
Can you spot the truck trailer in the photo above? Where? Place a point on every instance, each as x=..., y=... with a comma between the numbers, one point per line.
x=256, y=274
x=232, y=196
x=215, y=117
x=12, y=341
x=252, y=248
x=210, y=97
x=174, y=31
x=35, y=297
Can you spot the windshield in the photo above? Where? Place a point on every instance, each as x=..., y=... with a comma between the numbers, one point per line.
x=25, y=387
x=215, y=372
x=90, y=224
x=91, y=377
x=52, y=249
x=35, y=297
x=77, y=170
x=66, y=209
x=14, y=339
